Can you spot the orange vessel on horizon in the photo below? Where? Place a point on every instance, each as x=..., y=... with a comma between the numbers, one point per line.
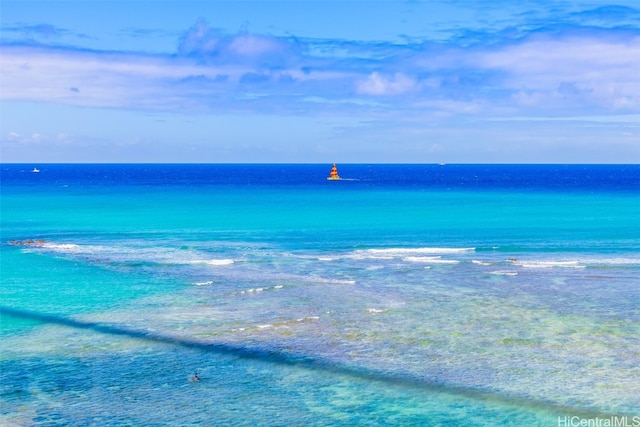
x=333, y=175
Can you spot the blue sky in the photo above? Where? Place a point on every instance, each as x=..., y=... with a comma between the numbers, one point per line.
x=320, y=81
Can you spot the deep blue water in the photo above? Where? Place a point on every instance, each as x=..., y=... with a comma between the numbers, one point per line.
x=580, y=178
x=400, y=295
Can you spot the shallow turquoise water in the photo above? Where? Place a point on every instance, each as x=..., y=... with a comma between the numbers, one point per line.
x=481, y=296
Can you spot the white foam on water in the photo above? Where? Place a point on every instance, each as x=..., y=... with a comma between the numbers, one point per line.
x=399, y=252
x=72, y=249
x=363, y=255
x=548, y=264
x=446, y=261
x=63, y=247
x=388, y=254
x=208, y=282
x=422, y=258
x=430, y=260
x=252, y=290
x=504, y=273
x=258, y=290
x=213, y=262
x=376, y=310
x=334, y=281
x=484, y=263
x=611, y=261
x=133, y=253
x=285, y=323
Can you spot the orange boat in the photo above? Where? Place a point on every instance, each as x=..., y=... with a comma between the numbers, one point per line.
x=333, y=175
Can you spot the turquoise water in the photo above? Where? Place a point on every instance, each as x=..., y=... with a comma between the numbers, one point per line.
x=403, y=295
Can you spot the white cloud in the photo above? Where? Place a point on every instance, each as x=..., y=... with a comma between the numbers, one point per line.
x=250, y=45
x=210, y=45
x=575, y=73
x=19, y=138
x=573, y=70
x=376, y=84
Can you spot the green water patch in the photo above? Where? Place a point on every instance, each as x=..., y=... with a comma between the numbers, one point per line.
x=48, y=284
x=238, y=386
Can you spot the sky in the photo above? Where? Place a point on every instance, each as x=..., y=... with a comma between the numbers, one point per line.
x=296, y=81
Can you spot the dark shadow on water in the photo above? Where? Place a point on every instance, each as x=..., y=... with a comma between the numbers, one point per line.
x=313, y=363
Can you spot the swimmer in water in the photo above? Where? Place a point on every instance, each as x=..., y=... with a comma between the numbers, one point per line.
x=195, y=377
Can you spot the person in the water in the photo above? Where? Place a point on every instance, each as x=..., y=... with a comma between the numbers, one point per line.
x=195, y=377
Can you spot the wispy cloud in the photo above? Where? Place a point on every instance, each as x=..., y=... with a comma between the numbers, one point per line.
x=210, y=45
x=607, y=16
x=37, y=33
x=570, y=68
x=397, y=84
x=32, y=31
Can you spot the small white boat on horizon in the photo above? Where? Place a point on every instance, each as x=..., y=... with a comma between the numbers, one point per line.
x=35, y=170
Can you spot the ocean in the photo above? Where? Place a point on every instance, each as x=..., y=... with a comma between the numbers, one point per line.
x=401, y=295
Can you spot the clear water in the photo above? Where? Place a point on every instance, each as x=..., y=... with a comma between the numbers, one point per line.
x=402, y=295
